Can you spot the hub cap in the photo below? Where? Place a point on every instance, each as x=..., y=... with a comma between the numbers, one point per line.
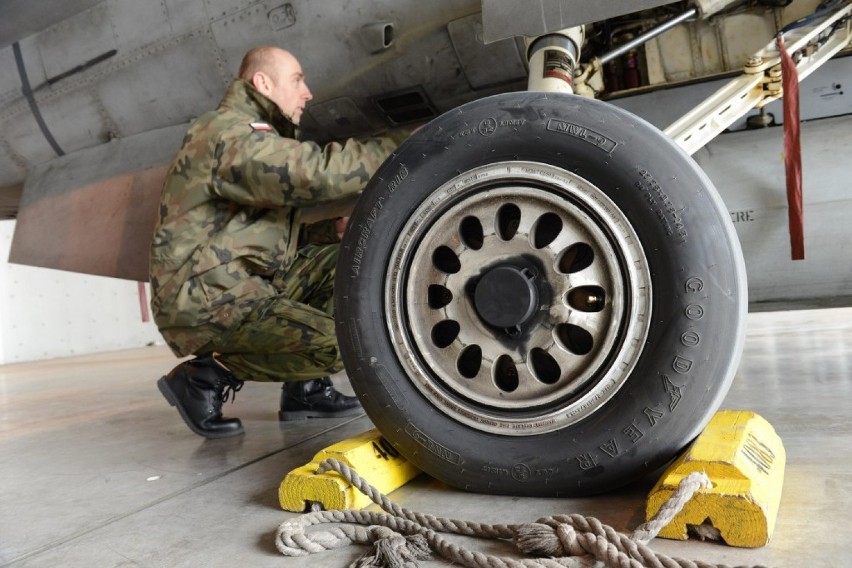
x=506, y=297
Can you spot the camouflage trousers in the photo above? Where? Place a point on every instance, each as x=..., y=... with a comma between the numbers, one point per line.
x=290, y=337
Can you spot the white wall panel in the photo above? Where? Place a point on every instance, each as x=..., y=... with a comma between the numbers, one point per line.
x=48, y=313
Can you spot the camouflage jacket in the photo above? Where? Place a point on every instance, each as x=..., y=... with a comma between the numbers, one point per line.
x=230, y=211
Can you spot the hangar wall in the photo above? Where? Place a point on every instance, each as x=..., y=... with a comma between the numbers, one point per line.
x=47, y=313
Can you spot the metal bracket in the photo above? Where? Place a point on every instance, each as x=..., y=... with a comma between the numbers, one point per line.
x=760, y=84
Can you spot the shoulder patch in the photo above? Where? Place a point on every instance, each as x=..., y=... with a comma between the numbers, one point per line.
x=262, y=126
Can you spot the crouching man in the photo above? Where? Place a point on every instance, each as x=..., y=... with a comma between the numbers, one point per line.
x=238, y=280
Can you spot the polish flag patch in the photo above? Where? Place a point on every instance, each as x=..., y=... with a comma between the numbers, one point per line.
x=262, y=126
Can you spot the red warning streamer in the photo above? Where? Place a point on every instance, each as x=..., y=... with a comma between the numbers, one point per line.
x=792, y=152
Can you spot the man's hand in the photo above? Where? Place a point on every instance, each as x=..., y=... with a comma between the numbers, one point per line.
x=340, y=227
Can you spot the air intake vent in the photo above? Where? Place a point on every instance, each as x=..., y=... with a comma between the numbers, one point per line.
x=406, y=107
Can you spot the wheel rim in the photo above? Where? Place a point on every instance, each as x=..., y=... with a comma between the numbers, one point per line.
x=518, y=298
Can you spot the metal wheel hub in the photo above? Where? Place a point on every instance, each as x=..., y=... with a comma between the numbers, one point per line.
x=518, y=297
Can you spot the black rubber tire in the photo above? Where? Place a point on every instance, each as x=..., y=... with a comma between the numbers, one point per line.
x=693, y=338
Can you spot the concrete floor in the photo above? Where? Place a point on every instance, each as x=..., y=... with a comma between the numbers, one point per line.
x=97, y=470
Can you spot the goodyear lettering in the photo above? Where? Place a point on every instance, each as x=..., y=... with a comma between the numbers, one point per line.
x=587, y=461
x=633, y=432
x=690, y=338
x=674, y=391
x=694, y=312
x=681, y=365
x=610, y=448
x=652, y=415
x=694, y=285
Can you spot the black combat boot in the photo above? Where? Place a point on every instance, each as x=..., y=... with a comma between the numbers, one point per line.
x=316, y=398
x=198, y=388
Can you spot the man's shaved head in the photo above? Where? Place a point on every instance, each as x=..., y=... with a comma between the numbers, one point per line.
x=258, y=59
x=276, y=73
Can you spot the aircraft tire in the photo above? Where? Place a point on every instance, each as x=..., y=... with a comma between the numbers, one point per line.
x=540, y=295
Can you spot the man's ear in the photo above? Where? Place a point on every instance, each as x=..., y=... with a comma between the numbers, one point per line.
x=261, y=82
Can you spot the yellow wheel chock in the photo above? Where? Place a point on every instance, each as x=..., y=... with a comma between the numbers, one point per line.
x=369, y=454
x=744, y=458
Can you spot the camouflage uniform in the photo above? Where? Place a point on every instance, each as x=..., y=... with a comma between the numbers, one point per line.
x=233, y=270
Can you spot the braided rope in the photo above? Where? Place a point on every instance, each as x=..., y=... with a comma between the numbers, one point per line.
x=401, y=537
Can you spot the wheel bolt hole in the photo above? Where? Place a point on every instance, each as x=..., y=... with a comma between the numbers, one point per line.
x=471, y=233
x=587, y=298
x=508, y=221
x=444, y=333
x=469, y=361
x=438, y=296
x=574, y=338
x=575, y=258
x=546, y=229
x=544, y=366
x=506, y=374
x=445, y=260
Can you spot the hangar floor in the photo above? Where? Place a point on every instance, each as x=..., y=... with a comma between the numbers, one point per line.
x=97, y=470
